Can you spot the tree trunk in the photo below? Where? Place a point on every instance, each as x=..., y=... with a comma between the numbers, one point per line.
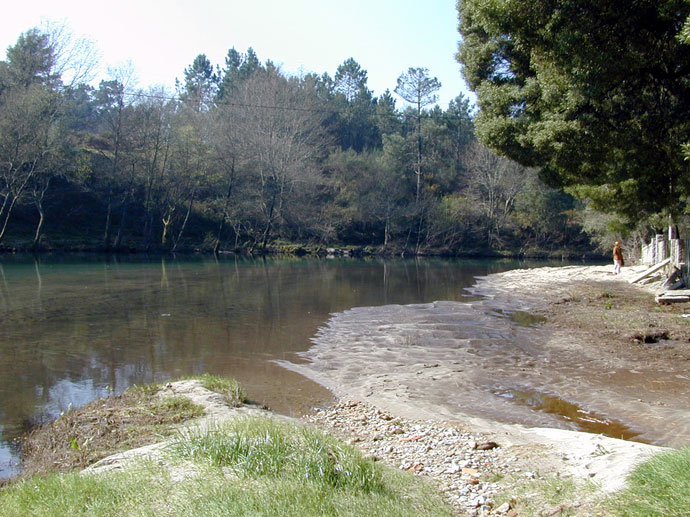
x=236, y=229
x=387, y=232
x=184, y=223
x=108, y=214
x=39, y=226
x=419, y=154
x=7, y=217
x=269, y=223
x=123, y=219
x=166, y=224
x=226, y=204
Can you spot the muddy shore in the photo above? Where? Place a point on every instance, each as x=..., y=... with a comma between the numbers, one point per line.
x=562, y=349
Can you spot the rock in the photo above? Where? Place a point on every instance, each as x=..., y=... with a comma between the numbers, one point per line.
x=453, y=469
x=503, y=509
x=553, y=511
x=470, y=472
x=486, y=446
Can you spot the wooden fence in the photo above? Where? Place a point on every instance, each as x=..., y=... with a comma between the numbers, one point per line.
x=661, y=248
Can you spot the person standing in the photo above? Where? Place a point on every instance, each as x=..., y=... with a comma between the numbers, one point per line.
x=617, y=258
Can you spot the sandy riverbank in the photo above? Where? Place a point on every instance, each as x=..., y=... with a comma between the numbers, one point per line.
x=590, y=354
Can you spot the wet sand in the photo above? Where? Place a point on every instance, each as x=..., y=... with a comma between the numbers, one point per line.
x=494, y=365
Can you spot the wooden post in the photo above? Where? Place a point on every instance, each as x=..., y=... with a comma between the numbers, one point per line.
x=647, y=254
x=661, y=248
x=674, y=249
x=685, y=259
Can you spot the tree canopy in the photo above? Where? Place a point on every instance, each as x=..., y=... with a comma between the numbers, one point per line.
x=596, y=94
x=248, y=158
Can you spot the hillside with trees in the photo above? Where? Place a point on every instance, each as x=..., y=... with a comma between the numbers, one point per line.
x=243, y=157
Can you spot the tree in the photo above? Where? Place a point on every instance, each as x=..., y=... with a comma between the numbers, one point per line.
x=494, y=184
x=417, y=88
x=546, y=215
x=355, y=125
x=350, y=79
x=152, y=127
x=238, y=68
x=593, y=93
x=112, y=142
x=29, y=61
x=387, y=118
x=280, y=127
x=200, y=84
x=27, y=117
x=227, y=178
x=29, y=110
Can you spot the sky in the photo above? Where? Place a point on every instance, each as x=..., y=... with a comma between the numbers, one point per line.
x=162, y=38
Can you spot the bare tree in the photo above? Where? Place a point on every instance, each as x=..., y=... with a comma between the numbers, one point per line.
x=75, y=58
x=494, y=183
x=26, y=120
x=31, y=83
x=279, y=123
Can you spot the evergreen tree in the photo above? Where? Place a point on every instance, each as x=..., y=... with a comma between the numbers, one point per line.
x=593, y=93
x=200, y=84
x=416, y=87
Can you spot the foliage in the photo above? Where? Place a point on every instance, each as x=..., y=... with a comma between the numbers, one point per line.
x=593, y=93
x=246, y=155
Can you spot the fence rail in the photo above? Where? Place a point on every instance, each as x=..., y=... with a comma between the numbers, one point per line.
x=660, y=248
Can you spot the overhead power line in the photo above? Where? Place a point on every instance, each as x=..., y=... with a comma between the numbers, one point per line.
x=177, y=98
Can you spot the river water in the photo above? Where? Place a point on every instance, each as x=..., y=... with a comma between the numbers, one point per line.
x=75, y=328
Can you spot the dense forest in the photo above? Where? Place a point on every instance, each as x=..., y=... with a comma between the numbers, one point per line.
x=244, y=157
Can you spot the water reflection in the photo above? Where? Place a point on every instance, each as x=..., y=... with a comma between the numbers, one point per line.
x=587, y=421
x=74, y=328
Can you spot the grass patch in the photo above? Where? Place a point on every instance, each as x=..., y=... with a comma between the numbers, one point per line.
x=254, y=467
x=549, y=496
x=229, y=388
x=80, y=437
x=265, y=447
x=660, y=486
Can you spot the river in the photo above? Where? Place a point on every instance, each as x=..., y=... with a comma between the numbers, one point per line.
x=77, y=327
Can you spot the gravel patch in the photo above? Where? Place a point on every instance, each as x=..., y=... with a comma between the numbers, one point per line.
x=460, y=462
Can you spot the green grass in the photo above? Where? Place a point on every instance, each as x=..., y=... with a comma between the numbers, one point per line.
x=265, y=447
x=256, y=466
x=229, y=388
x=658, y=487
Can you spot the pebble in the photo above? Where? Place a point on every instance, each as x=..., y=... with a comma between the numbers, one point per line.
x=457, y=460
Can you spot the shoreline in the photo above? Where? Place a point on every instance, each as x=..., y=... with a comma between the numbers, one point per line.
x=369, y=377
